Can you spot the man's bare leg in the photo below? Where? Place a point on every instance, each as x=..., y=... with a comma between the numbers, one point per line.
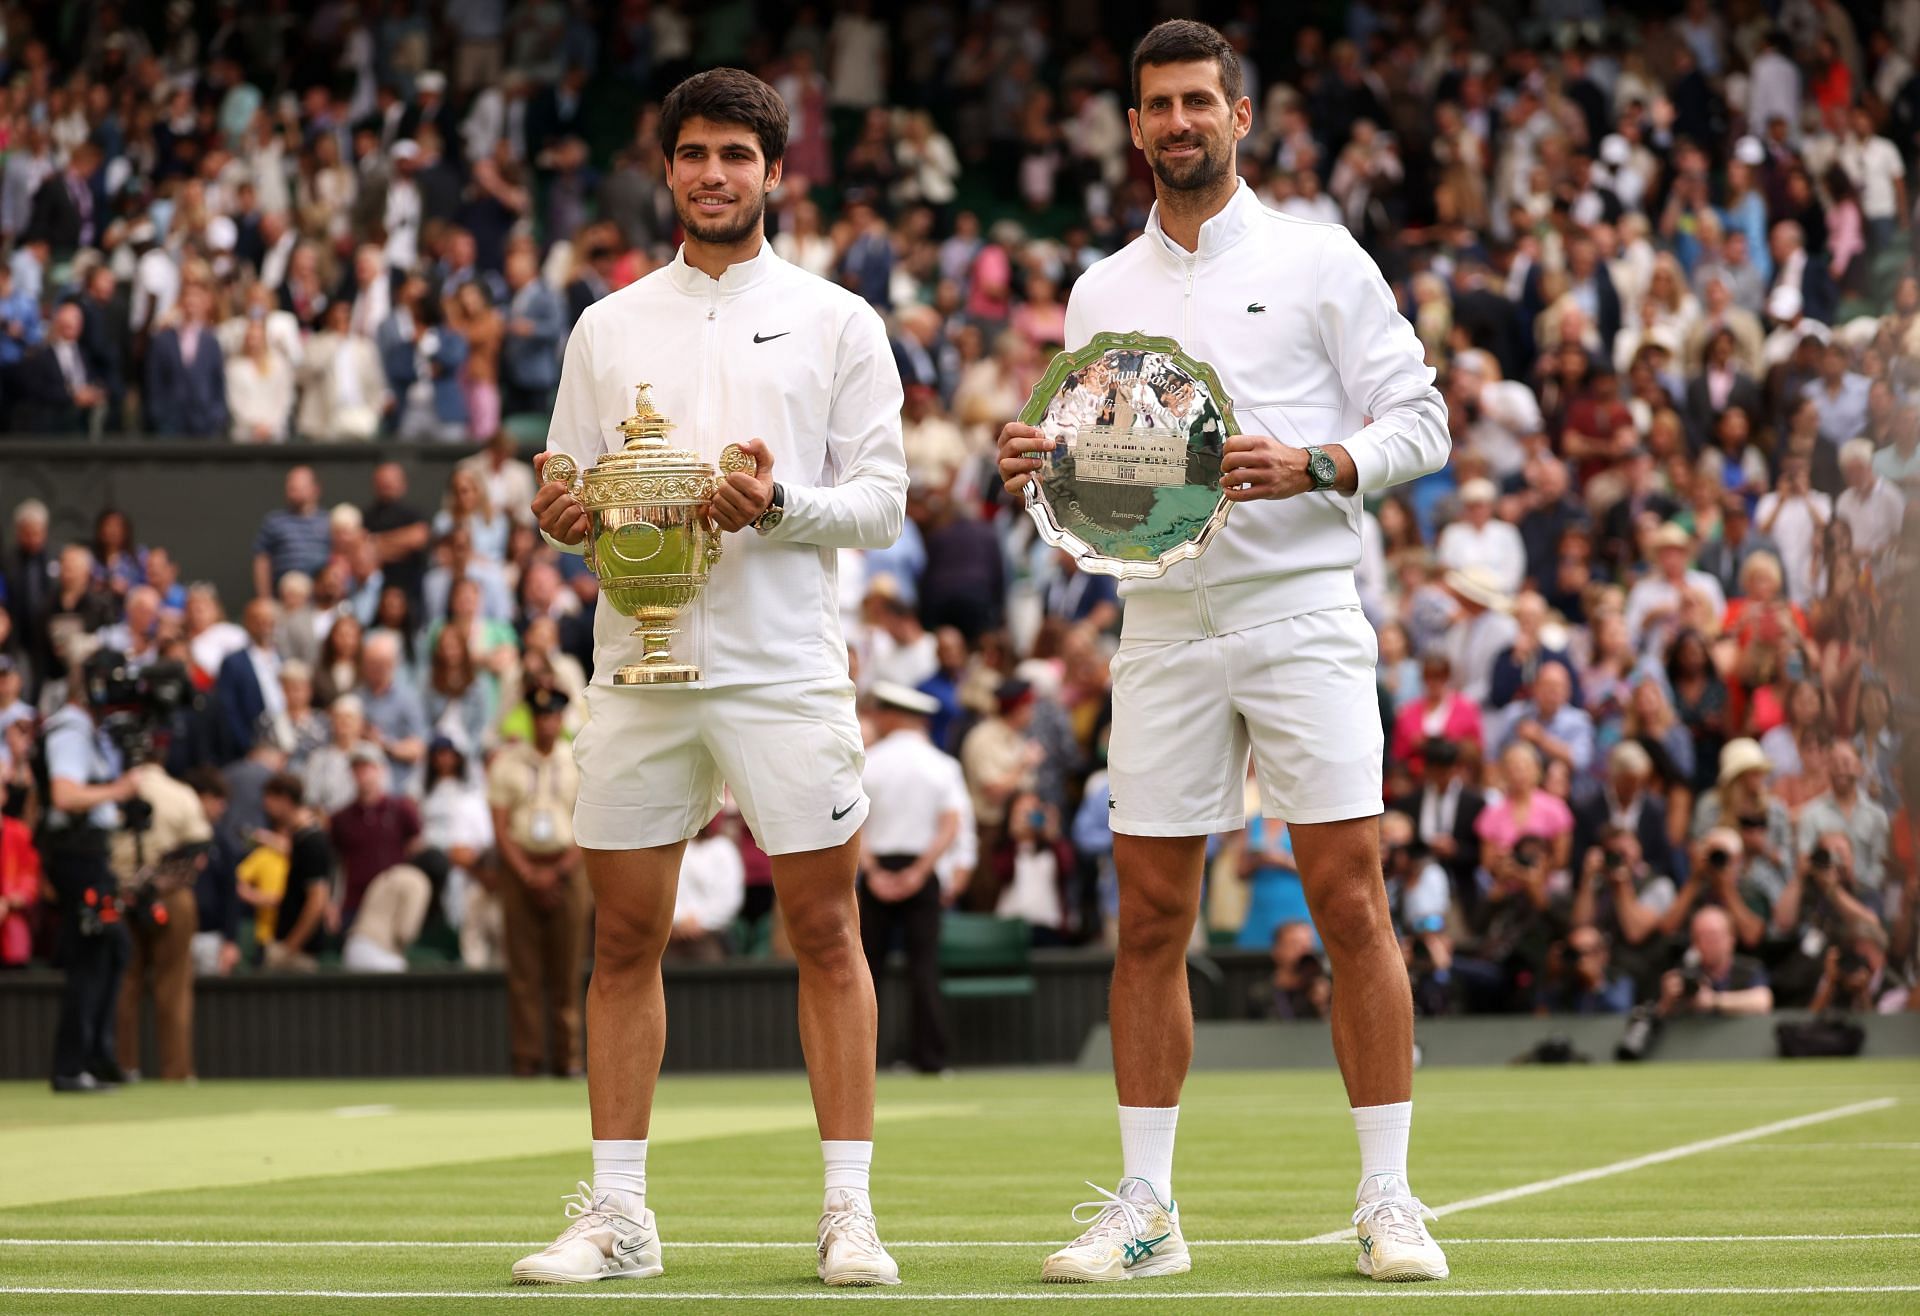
x=1150, y=1011
x=633, y=894
x=839, y=1022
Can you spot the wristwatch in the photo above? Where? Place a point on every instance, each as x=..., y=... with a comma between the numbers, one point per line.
x=776, y=509
x=1321, y=469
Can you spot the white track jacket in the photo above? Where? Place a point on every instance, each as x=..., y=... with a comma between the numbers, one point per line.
x=765, y=351
x=1309, y=345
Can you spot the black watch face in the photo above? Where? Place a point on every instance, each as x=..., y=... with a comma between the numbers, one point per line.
x=1323, y=470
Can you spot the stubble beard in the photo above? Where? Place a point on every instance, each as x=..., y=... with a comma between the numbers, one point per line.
x=1197, y=177
x=722, y=234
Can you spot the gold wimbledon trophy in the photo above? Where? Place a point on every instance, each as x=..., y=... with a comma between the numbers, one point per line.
x=648, y=538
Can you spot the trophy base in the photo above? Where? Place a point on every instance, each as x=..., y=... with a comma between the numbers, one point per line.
x=656, y=674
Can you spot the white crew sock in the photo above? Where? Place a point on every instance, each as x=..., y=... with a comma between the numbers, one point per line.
x=1383, y=1134
x=620, y=1170
x=1146, y=1145
x=849, y=1167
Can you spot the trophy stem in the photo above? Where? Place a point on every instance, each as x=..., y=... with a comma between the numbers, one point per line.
x=656, y=666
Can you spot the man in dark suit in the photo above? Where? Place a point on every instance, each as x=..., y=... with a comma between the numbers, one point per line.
x=103, y=338
x=186, y=375
x=1625, y=801
x=558, y=111
x=1444, y=811
x=63, y=211
x=248, y=685
x=1585, y=270
x=54, y=388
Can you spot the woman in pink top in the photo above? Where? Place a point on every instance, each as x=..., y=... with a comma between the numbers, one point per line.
x=1524, y=810
x=1439, y=710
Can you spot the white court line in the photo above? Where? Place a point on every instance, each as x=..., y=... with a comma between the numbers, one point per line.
x=674, y=1245
x=1038, y=1293
x=1640, y=1162
x=1839, y=1146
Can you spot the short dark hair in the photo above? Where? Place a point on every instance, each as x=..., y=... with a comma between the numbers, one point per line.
x=1179, y=40
x=286, y=786
x=726, y=96
x=207, y=781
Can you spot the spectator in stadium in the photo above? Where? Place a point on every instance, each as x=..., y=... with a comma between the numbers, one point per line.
x=1298, y=987
x=456, y=820
x=506, y=481
x=247, y=687
x=1657, y=604
x=1481, y=630
x=217, y=904
x=396, y=724
x=1871, y=506
x=54, y=388
x=296, y=537
x=259, y=390
x=1586, y=981
x=401, y=533
x=1549, y=722
x=1274, y=897
x=328, y=775
x=379, y=829
x=186, y=392
x=1479, y=540
x=530, y=356
x=712, y=887
x=544, y=897
x=1439, y=712
x=342, y=388
x=1855, y=976
x=302, y=913
x=458, y=703
x=1032, y=868
x=1714, y=980
x=1846, y=809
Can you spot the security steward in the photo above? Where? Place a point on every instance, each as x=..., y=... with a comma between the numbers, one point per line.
x=919, y=798
x=86, y=784
x=544, y=896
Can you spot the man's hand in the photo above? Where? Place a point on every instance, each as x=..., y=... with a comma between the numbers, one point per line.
x=1016, y=441
x=125, y=787
x=556, y=509
x=1258, y=466
x=229, y=956
x=740, y=499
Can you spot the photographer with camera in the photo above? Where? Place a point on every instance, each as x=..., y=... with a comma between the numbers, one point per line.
x=1712, y=979
x=1420, y=897
x=1299, y=987
x=1818, y=909
x=1856, y=976
x=1717, y=876
x=1621, y=897
x=162, y=850
x=88, y=782
x=1845, y=808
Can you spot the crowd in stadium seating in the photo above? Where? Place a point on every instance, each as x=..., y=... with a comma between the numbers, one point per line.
x=1650, y=738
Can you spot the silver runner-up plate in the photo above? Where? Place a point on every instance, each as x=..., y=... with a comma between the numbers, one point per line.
x=1132, y=484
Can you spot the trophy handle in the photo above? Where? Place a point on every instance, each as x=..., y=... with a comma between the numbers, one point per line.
x=562, y=469
x=733, y=458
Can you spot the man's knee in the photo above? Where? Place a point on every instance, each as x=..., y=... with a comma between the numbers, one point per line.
x=824, y=935
x=628, y=940
x=1156, y=918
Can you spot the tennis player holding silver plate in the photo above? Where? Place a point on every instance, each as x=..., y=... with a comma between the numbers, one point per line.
x=1255, y=645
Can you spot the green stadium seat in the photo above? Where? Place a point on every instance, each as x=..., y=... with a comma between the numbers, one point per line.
x=981, y=956
x=528, y=428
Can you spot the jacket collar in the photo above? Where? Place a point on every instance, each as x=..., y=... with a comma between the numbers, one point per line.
x=1217, y=234
x=737, y=277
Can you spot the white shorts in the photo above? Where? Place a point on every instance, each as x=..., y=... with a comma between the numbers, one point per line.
x=653, y=761
x=1298, y=693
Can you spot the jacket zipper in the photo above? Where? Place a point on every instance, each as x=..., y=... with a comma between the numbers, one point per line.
x=709, y=367
x=1186, y=343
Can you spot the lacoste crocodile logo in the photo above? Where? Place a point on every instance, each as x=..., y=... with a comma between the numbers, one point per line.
x=1255, y=308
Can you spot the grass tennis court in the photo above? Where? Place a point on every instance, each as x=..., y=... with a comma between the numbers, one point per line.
x=1721, y=1187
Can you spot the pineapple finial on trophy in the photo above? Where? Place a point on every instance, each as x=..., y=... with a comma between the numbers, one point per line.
x=646, y=427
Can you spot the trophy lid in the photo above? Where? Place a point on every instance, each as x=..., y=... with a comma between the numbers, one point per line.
x=647, y=450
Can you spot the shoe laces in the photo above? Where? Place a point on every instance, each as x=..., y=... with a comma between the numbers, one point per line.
x=1113, y=1216
x=857, y=1226
x=1401, y=1219
x=587, y=1211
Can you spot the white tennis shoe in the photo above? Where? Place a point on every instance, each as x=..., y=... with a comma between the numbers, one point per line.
x=1391, y=1224
x=1131, y=1235
x=602, y=1242
x=851, y=1255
